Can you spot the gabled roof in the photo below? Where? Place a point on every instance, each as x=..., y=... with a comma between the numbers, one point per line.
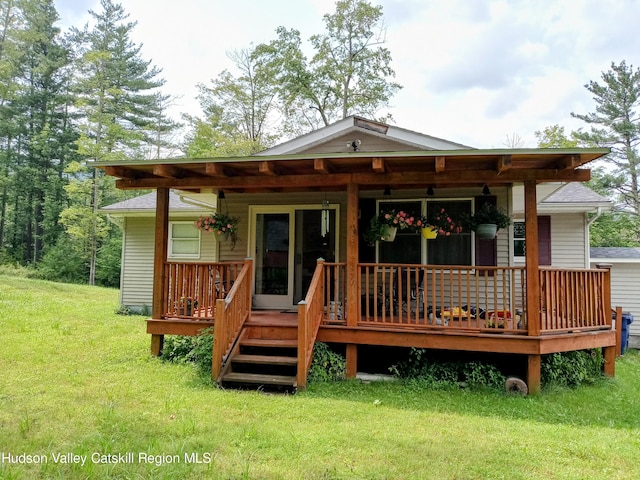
x=574, y=197
x=616, y=254
x=361, y=126
x=146, y=204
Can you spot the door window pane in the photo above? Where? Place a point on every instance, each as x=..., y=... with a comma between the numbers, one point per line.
x=272, y=254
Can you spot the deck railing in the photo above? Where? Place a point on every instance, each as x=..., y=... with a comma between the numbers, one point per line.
x=574, y=300
x=310, y=315
x=231, y=313
x=193, y=288
x=455, y=297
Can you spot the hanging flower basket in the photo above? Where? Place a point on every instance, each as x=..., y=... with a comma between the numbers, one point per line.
x=429, y=232
x=220, y=224
x=381, y=226
x=487, y=220
x=438, y=223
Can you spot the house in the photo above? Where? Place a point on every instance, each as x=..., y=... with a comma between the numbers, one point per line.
x=625, y=278
x=136, y=217
x=303, y=206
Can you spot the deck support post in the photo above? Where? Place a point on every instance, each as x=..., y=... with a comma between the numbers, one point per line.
x=532, y=260
x=353, y=281
x=609, y=354
x=534, y=363
x=157, y=343
x=159, y=260
x=352, y=360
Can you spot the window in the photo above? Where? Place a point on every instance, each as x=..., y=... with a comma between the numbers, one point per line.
x=454, y=249
x=410, y=247
x=544, y=240
x=184, y=240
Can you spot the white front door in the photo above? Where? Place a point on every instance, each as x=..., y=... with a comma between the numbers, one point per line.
x=286, y=242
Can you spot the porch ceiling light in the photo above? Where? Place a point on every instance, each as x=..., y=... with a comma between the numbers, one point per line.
x=485, y=190
x=430, y=192
x=221, y=195
x=387, y=192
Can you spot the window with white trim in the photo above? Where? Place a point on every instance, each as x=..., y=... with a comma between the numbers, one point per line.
x=184, y=240
x=454, y=249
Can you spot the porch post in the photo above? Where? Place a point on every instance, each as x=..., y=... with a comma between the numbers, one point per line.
x=532, y=261
x=353, y=293
x=533, y=281
x=159, y=260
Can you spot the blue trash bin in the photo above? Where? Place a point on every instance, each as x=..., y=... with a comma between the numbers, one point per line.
x=627, y=319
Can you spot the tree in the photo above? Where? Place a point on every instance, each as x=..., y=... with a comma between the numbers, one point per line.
x=116, y=92
x=349, y=73
x=610, y=229
x=616, y=124
x=237, y=108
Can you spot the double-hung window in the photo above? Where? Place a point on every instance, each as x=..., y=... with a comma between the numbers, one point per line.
x=184, y=240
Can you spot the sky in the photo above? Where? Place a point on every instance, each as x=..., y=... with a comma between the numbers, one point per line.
x=477, y=72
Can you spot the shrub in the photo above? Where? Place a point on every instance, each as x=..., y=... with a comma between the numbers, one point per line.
x=326, y=364
x=571, y=369
x=185, y=349
x=419, y=367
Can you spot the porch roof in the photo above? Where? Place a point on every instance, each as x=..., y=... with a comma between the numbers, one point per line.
x=407, y=169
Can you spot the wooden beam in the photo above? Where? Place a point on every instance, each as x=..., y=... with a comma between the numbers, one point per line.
x=440, y=164
x=122, y=172
x=504, y=163
x=159, y=261
x=168, y=171
x=378, y=165
x=215, y=170
x=322, y=165
x=301, y=182
x=267, y=168
x=353, y=277
x=571, y=162
x=531, y=259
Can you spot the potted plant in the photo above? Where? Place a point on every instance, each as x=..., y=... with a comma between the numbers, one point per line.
x=439, y=222
x=221, y=224
x=487, y=220
x=384, y=226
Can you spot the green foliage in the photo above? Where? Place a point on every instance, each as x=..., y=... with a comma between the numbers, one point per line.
x=572, y=369
x=419, y=367
x=108, y=261
x=326, y=365
x=63, y=263
x=554, y=137
x=186, y=349
x=487, y=214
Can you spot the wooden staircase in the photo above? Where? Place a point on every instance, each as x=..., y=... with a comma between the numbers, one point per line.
x=265, y=356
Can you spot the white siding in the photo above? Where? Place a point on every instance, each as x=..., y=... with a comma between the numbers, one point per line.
x=136, y=283
x=625, y=293
x=568, y=240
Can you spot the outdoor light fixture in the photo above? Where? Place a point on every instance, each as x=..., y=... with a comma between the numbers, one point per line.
x=325, y=219
x=485, y=190
x=430, y=191
x=387, y=192
x=355, y=145
x=221, y=195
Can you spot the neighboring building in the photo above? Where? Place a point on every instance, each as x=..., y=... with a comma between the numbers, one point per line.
x=625, y=282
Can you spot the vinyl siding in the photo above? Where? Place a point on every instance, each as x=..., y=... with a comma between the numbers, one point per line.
x=625, y=293
x=568, y=241
x=136, y=284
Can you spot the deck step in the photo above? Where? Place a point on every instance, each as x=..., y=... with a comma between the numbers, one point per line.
x=267, y=342
x=262, y=379
x=265, y=359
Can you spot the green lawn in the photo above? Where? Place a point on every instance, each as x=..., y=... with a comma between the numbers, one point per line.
x=75, y=378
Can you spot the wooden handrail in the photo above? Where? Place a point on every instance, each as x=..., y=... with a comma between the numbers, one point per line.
x=310, y=314
x=192, y=288
x=231, y=313
x=437, y=296
x=572, y=299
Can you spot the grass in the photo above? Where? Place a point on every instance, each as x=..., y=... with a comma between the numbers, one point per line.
x=77, y=378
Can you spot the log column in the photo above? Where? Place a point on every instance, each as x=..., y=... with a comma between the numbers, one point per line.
x=533, y=281
x=353, y=293
x=159, y=262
